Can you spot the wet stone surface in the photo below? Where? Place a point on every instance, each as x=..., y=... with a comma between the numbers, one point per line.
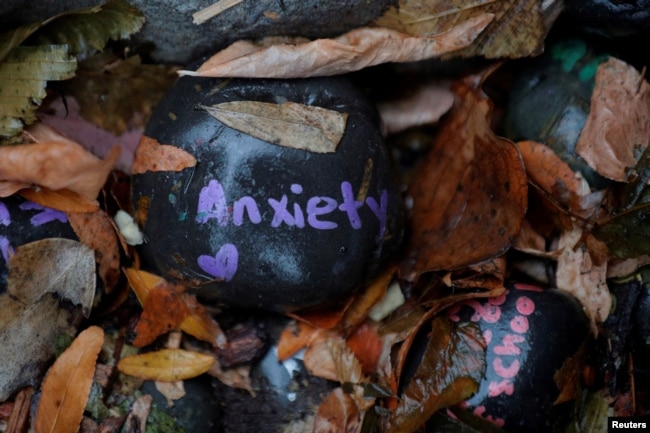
x=22, y=222
x=530, y=332
x=265, y=226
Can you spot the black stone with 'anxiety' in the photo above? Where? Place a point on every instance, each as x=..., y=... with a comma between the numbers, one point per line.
x=260, y=225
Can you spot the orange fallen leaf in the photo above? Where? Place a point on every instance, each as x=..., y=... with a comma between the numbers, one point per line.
x=96, y=230
x=63, y=199
x=470, y=198
x=142, y=282
x=337, y=413
x=352, y=51
x=67, y=385
x=163, y=310
x=167, y=365
x=57, y=164
x=150, y=155
x=293, y=338
x=367, y=346
x=358, y=310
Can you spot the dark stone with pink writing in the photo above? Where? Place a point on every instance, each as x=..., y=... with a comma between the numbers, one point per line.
x=259, y=225
x=529, y=332
x=22, y=222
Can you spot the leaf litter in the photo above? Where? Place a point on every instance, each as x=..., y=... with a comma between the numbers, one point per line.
x=345, y=344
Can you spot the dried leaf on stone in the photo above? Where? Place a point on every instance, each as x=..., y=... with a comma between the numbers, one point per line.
x=451, y=369
x=295, y=336
x=352, y=51
x=470, y=197
x=134, y=88
x=56, y=165
x=581, y=272
x=63, y=200
x=24, y=73
x=96, y=230
x=166, y=365
x=60, y=266
x=142, y=282
x=150, y=155
x=337, y=413
x=290, y=124
x=518, y=28
x=425, y=105
x=616, y=132
x=373, y=293
x=66, y=388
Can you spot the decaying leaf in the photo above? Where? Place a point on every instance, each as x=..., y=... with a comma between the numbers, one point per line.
x=337, y=414
x=352, y=51
x=60, y=266
x=616, y=132
x=153, y=156
x=293, y=338
x=425, y=105
x=163, y=310
x=67, y=385
x=96, y=230
x=293, y=125
x=582, y=274
x=61, y=164
x=134, y=88
x=24, y=72
x=140, y=413
x=450, y=371
x=167, y=365
x=470, y=198
x=63, y=200
x=518, y=29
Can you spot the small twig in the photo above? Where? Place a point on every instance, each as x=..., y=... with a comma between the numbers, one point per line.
x=213, y=10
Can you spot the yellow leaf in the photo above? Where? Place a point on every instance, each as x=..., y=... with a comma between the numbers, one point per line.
x=167, y=365
x=142, y=282
x=66, y=388
x=290, y=124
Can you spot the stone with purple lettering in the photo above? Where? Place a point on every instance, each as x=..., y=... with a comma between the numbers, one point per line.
x=23, y=221
x=258, y=225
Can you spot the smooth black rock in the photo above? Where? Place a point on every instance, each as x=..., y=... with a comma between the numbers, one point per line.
x=308, y=240
x=550, y=102
x=530, y=332
x=613, y=18
x=170, y=35
x=22, y=222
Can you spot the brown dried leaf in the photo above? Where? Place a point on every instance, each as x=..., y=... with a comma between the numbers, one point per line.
x=425, y=105
x=63, y=200
x=352, y=51
x=617, y=129
x=57, y=164
x=358, y=310
x=153, y=156
x=293, y=125
x=293, y=338
x=470, y=198
x=163, y=310
x=96, y=230
x=337, y=414
x=579, y=273
x=166, y=365
x=517, y=30
x=66, y=387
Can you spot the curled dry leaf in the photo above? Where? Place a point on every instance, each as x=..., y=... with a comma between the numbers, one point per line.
x=150, y=155
x=293, y=125
x=63, y=200
x=583, y=275
x=67, y=385
x=349, y=52
x=617, y=129
x=470, y=198
x=55, y=165
x=518, y=29
x=166, y=365
x=425, y=105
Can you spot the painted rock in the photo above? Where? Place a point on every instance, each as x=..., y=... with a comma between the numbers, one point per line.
x=611, y=17
x=23, y=221
x=530, y=332
x=550, y=102
x=260, y=225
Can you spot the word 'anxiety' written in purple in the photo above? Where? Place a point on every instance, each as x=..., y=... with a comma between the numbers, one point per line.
x=213, y=205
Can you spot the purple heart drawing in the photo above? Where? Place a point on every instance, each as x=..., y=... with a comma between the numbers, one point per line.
x=223, y=265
